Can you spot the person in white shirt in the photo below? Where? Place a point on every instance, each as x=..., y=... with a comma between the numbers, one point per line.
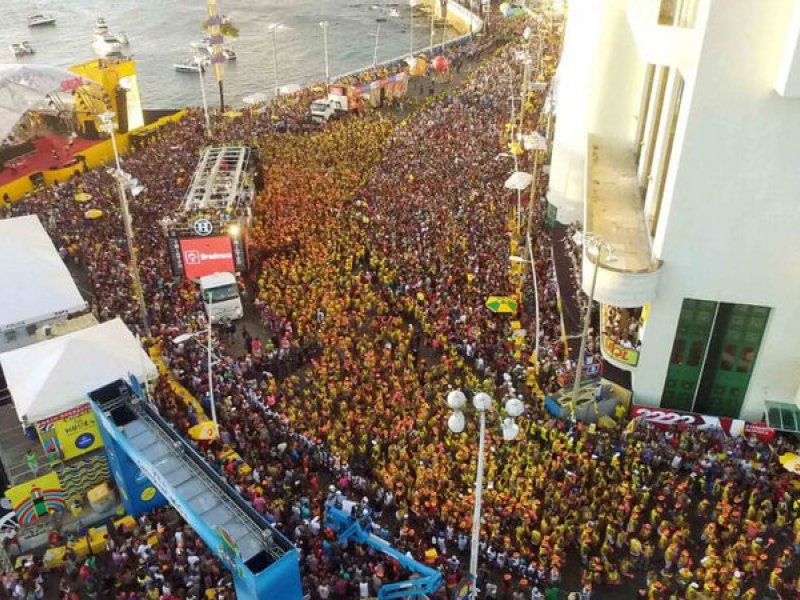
x=363, y=590
x=314, y=526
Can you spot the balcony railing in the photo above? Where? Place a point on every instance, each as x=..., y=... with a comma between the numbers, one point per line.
x=614, y=213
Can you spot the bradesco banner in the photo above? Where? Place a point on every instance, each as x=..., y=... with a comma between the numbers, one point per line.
x=74, y=432
x=206, y=255
x=665, y=417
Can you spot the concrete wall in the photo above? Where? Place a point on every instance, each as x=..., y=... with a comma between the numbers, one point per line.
x=731, y=211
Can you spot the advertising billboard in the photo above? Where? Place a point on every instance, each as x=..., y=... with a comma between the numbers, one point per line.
x=665, y=417
x=206, y=255
x=70, y=434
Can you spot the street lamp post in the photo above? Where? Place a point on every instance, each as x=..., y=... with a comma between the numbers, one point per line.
x=433, y=23
x=471, y=17
x=201, y=73
x=377, y=35
x=324, y=25
x=273, y=28
x=124, y=180
x=482, y=402
x=591, y=243
x=519, y=191
x=411, y=5
x=532, y=263
x=180, y=339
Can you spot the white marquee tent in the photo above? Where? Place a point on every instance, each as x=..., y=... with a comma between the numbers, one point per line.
x=36, y=284
x=32, y=87
x=51, y=377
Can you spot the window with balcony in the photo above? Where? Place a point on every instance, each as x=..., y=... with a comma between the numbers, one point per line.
x=680, y=13
x=657, y=91
x=666, y=15
x=644, y=109
x=670, y=142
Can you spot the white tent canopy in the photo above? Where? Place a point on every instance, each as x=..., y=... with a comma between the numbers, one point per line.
x=51, y=377
x=36, y=283
x=519, y=180
x=27, y=87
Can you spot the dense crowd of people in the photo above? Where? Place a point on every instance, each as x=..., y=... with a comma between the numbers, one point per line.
x=157, y=557
x=378, y=243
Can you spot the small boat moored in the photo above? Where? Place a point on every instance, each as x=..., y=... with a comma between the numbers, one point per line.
x=100, y=26
x=21, y=49
x=41, y=19
x=108, y=44
x=105, y=42
x=204, y=45
x=191, y=65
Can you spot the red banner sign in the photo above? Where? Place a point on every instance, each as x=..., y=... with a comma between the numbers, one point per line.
x=665, y=417
x=204, y=256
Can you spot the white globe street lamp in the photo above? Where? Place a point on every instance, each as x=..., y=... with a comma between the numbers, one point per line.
x=483, y=402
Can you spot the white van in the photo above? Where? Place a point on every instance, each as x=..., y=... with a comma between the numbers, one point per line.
x=323, y=109
x=221, y=297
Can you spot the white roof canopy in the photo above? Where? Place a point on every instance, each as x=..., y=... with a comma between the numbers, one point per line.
x=51, y=377
x=519, y=180
x=28, y=87
x=36, y=283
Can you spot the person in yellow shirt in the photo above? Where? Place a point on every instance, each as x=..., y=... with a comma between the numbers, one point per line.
x=750, y=594
x=776, y=581
x=636, y=550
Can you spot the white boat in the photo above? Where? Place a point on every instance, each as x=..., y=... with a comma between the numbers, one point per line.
x=41, y=19
x=393, y=12
x=191, y=65
x=100, y=26
x=105, y=42
x=21, y=49
x=108, y=44
x=204, y=45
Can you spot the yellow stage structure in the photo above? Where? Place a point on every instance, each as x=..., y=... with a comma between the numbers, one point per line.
x=115, y=88
x=119, y=92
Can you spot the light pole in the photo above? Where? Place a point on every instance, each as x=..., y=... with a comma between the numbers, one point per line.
x=532, y=263
x=433, y=19
x=126, y=181
x=471, y=17
x=324, y=25
x=377, y=35
x=411, y=5
x=482, y=402
x=592, y=244
x=274, y=28
x=519, y=191
x=201, y=73
x=184, y=337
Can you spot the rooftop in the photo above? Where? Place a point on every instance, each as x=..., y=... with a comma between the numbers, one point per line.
x=36, y=283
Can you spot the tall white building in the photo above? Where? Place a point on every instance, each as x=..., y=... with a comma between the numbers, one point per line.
x=677, y=143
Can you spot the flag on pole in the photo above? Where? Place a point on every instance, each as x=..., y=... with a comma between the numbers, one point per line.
x=214, y=22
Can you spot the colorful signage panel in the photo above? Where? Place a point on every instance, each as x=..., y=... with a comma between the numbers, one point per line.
x=36, y=498
x=206, y=255
x=665, y=417
x=71, y=433
x=619, y=353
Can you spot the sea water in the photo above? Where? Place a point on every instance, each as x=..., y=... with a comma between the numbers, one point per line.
x=161, y=31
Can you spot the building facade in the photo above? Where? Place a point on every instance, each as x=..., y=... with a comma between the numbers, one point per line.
x=677, y=145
